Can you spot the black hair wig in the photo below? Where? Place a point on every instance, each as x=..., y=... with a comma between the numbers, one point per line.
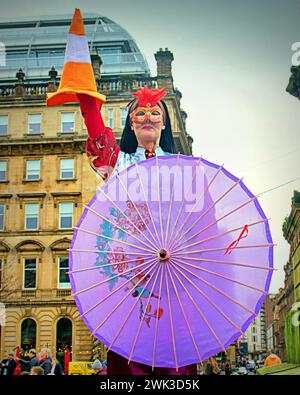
x=129, y=141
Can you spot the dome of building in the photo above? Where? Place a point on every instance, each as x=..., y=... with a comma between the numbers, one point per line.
x=36, y=44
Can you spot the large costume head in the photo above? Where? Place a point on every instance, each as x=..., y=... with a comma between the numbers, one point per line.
x=148, y=118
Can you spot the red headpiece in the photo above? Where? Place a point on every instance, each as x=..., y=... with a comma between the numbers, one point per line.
x=147, y=95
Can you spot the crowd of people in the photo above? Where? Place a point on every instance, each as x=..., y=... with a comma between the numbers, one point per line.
x=34, y=363
x=43, y=363
x=212, y=367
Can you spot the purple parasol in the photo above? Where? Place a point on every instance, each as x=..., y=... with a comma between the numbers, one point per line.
x=171, y=261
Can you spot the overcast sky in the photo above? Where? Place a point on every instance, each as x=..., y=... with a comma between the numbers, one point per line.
x=232, y=64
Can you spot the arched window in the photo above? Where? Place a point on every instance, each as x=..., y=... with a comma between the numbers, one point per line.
x=29, y=255
x=28, y=334
x=63, y=338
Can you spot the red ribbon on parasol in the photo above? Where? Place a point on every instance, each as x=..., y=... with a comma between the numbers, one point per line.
x=234, y=244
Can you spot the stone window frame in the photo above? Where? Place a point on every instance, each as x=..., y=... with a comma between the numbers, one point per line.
x=2, y=229
x=61, y=132
x=41, y=123
x=58, y=166
x=37, y=216
x=25, y=179
x=65, y=197
x=5, y=201
x=30, y=248
x=28, y=198
x=112, y=124
x=36, y=272
x=8, y=120
x=122, y=111
x=60, y=217
x=55, y=324
x=7, y=170
x=36, y=328
x=59, y=269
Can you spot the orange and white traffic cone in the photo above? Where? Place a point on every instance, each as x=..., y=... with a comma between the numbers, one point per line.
x=77, y=75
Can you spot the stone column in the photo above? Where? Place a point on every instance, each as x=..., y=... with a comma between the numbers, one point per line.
x=164, y=60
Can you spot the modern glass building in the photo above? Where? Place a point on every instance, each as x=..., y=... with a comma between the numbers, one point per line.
x=37, y=44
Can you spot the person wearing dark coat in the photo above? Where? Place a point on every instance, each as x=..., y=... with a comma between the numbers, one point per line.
x=8, y=365
x=56, y=369
x=32, y=361
x=212, y=368
x=45, y=361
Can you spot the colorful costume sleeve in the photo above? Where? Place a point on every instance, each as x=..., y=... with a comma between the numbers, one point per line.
x=101, y=148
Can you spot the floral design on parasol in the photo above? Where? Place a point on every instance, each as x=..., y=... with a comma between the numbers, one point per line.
x=171, y=261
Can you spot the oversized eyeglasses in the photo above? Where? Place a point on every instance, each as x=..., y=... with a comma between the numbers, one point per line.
x=141, y=114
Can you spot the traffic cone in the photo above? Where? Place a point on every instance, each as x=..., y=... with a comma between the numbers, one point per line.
x=77, y=75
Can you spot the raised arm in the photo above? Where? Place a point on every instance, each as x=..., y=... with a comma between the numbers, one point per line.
x=101, y=148
x=92, y=116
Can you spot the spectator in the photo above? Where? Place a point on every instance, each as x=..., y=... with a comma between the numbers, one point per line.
x=45, y=360
x=97, y=366
x=8, y=365
x=37, y=371
x=104, y=367
x=227, y=369
x=56, y=369
x=212, y=368
x=33, y=359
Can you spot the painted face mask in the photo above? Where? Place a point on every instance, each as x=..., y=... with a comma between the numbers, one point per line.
x=148, y=105
x=142, y=114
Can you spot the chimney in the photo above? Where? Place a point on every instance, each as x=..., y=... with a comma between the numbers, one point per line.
x=164, y=60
